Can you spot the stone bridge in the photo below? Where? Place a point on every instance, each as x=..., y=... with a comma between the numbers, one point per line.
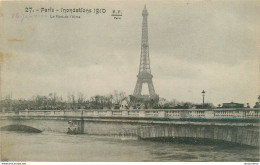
x=198, y=133
x=234, y=126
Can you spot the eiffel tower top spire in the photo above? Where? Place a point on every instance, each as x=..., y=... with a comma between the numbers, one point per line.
x=144, y=11
x=144, y=60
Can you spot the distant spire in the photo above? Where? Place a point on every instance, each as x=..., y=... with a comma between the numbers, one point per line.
x=144, y=11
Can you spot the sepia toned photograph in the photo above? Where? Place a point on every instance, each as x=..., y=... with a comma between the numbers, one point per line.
x=130, y=81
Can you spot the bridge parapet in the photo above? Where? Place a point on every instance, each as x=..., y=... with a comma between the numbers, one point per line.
x=149, y=123
x=147, y=113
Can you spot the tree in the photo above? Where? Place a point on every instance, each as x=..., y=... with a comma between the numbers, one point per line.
x=257, y=104
x=118, y=97
x=209, y=106
x=81, y=98
x=247, y=105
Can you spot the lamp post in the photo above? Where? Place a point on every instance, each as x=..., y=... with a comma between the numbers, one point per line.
x=203, y=94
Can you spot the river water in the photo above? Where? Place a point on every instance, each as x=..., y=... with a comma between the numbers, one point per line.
x=54, y=146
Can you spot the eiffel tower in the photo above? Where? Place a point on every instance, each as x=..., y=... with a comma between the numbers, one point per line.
x=144, y=75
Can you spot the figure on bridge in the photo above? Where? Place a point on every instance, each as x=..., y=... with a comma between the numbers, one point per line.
x=73, y=128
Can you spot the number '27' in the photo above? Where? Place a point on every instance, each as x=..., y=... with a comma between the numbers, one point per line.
x=28, y=9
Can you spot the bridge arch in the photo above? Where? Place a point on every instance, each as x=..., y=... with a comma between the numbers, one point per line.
x=20, y=128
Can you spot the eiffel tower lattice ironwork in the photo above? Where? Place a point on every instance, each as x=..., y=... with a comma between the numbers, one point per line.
x=144, y=75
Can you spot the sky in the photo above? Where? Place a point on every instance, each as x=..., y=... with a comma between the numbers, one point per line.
x=193, y=45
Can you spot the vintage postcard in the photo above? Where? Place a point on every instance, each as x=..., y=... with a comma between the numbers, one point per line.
x=130, y=81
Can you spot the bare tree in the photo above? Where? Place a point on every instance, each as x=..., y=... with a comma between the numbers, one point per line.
x=118, y=96
x=81, y=98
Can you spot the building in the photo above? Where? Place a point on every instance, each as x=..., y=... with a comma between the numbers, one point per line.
x=232, y=105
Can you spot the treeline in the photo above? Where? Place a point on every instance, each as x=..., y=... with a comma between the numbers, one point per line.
x=56, y=102
x=79, y=101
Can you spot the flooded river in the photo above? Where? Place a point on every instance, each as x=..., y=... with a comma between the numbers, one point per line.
x=54, y=146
